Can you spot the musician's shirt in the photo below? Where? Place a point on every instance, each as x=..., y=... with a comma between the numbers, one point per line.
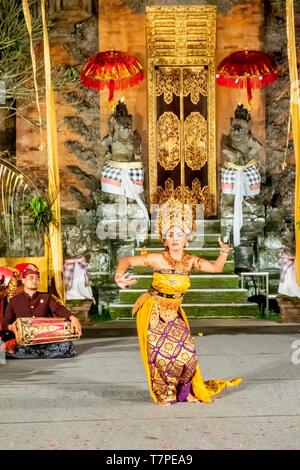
x=41, y=304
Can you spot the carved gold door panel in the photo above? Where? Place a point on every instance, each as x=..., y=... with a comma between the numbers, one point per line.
x=181, y=97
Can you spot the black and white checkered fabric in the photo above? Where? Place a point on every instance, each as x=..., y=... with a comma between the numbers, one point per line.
x=110, y=172
x=228, y=176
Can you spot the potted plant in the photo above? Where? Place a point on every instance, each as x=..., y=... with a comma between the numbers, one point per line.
x=42, y=216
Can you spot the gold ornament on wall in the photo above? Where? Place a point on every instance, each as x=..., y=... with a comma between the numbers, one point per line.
x=168, y=148
x=167, y=83
x=195, y=84
x=181, y=44
x=184, y=194
x=195, y=141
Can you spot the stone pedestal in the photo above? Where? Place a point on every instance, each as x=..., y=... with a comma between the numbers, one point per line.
x=80, y=308
x=289, y=308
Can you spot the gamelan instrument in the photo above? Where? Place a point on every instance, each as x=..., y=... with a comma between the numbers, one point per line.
x=41, y=330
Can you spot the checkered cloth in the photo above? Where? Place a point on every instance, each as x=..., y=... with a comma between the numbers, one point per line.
x=286, y=262
x=251, y=178
x=112, y=177
x=69, y=267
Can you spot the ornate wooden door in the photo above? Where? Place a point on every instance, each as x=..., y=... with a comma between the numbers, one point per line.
x=181, y=94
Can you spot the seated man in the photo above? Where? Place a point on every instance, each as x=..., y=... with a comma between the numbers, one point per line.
x=32, y=303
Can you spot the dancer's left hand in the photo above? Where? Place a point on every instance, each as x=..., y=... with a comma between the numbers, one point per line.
x=125, y=280
x=224, y=247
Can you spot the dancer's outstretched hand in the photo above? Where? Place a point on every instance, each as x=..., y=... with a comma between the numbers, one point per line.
x=224, y=247
x=124, y=280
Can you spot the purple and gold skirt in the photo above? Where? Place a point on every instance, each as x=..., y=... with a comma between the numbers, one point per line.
x=172, y=359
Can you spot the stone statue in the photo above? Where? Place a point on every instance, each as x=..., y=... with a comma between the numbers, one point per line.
x=122, y=144
x=122, y=176
x=240, y=147
x=240, y=177
x=123, y=173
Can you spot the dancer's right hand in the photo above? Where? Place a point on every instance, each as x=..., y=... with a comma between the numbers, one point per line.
x=124, y=280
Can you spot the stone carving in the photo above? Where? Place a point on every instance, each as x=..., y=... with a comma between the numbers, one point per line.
x=240, y=179
x=99, y=262
x=122, y=144
x=122, y=178
x=76, y=242
x=240, y=146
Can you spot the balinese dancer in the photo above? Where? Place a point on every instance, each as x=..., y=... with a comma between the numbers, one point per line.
x=167, y=347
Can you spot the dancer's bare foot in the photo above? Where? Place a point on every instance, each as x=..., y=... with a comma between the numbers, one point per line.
x=191, y=399
x=164, y=403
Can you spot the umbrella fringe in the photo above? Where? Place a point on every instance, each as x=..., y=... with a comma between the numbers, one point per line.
x=89, y=83
x=117, y=67
x=230, y=82
x=118, y=84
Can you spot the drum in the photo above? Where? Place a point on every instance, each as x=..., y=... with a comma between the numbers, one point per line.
x=41, y=330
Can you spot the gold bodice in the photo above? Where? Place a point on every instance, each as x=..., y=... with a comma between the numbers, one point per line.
x=172, y=284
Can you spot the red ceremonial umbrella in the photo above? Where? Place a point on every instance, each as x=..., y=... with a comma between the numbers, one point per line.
x=6, y=275
x=114, y=69
x=246, y=69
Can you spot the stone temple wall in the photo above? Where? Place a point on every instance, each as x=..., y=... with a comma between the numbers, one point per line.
x=74, y=36
x=278, y=235
x=77, y=32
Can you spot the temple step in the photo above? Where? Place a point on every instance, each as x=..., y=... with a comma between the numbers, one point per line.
x=200, y=310
x=228, y=269
x=194, y=295
x=202, y=252
x=203, y=281
x=211, y=294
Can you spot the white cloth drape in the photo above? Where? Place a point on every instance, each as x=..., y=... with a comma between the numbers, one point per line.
x=130, y=191
x=79, y=288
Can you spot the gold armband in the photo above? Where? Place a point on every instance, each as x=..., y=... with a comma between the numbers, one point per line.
x=146, y=261
x=198, y=263
x=144, y=254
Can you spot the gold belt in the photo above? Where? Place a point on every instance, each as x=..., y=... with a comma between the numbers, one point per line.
x=164, y=307
x=166, y=296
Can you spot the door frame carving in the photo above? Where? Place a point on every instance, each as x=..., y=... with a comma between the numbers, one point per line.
x=180, y=36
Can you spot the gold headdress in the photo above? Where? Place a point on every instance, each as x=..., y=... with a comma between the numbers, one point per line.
x=174, y=213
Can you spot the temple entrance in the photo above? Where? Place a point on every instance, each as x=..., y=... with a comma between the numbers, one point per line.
x=181, y=94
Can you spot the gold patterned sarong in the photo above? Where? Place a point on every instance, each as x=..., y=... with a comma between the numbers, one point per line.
x=167, y=347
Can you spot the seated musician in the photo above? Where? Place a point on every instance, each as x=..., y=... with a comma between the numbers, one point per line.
x=32, y=303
